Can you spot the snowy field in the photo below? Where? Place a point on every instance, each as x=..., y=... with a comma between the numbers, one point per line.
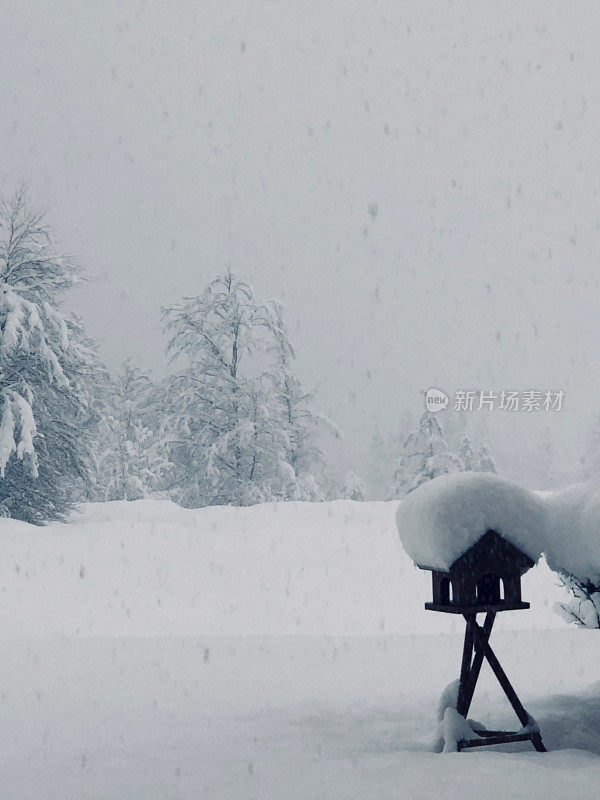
x=274, y=652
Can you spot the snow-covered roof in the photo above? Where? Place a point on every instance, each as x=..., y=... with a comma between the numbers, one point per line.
x=443, y=518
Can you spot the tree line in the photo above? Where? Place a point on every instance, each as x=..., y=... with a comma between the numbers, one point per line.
x=231, y=423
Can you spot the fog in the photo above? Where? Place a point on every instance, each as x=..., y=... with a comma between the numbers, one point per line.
x=416, y=182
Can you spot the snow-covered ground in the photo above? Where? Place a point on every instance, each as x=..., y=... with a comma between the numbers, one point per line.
x=151, y=568
x=274, y=652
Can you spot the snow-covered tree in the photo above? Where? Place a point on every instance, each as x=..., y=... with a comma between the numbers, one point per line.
x=476, y=457
x=468, y=439
x=425, y=455
x=354, y=487
x=383, y=456
x=132, y=458
x=239, y=429
x=297, y=422
x=48, y=371
x=583, y=605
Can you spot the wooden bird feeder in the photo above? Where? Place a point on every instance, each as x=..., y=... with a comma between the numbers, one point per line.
x=484, y=579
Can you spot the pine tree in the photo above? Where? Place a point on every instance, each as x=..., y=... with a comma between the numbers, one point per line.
x=425, y=455
x=383, y=457
x=48, y=412
x=238, y=425
x=483, y=460
x=132, y=459
x=466, y=452
x=354, y=487
x=476, y=458
x=298, y=423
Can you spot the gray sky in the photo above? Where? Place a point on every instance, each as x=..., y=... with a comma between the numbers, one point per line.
x=416, y=182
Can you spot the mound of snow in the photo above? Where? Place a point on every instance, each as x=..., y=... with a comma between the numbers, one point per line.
x=454, y=729
x=443, y=518
x=573, y=530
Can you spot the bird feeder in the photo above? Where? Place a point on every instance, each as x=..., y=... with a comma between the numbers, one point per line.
x=477, y=534
x=485, y=578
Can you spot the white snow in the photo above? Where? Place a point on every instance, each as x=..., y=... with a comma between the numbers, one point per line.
x=454, y=728
x=443, y=518
x=151, y=568
x=448, y=699
x=294, y=717
x=573, y=530
x=278, y=651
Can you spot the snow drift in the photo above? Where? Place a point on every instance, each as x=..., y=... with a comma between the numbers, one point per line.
x=573, y=530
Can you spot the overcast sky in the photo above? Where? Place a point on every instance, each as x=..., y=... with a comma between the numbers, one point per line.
x=417, y=183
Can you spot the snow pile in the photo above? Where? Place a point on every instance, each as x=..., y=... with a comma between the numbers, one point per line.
x=454, y=729
x=573, y=530
x=448, y=699
x=443, y=518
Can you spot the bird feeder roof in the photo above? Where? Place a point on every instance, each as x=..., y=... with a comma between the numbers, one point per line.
x=443, y=518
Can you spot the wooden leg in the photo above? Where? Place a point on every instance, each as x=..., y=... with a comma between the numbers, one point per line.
x=482, y=644
x=477, y=638
x=536, y=740
x=465, y=671
x=477, y=662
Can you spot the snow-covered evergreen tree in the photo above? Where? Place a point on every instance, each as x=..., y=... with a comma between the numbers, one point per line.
x=383, y=456
x=297, y=422
x=354, y=487
x=132, y=458
x=48, y=371
x=425, y=455
x=239, y=428
x=476, y=457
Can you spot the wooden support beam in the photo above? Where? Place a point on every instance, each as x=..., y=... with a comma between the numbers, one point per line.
x=482, y=644
x=465, y=671
x=479, y=639
x=506, y=739
x=536, y=739
x=477, y=662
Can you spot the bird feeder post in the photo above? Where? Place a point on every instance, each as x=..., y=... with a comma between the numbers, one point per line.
x=485, y=579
